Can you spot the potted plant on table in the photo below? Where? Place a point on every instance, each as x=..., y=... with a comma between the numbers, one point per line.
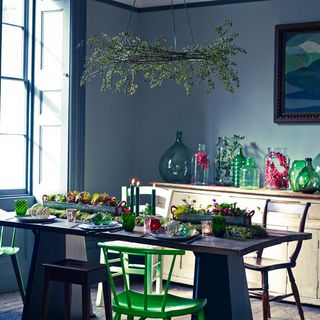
x=128, y=220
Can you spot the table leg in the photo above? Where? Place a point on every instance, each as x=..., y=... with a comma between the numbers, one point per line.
x=47, y=247
x=222, y=280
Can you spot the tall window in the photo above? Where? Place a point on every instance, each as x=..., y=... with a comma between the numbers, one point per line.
x=15, y=87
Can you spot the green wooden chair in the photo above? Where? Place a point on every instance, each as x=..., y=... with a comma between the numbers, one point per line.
x=140, y=303
x=154, y=263
x=12, y=252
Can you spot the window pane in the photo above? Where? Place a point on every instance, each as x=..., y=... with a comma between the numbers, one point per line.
x=13, y=11
x=13, y=107
x=12, y=51
x=13, y=172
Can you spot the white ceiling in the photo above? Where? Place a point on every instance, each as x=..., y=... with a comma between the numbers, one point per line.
x=156, y=3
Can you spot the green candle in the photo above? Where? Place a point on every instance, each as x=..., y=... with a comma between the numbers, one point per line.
x=131, y=196
x=137, y=198
x=153, y=201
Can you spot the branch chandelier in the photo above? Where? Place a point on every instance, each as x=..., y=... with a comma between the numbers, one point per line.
x=119, y=59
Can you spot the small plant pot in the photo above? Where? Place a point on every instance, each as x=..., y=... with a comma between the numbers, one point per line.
x=219, y=224
x=219, y=231
x=128, y=221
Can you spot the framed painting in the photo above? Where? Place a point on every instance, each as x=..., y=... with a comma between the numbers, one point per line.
x=297, y=73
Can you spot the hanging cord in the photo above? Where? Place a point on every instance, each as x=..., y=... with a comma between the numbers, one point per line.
x=189, y=23
x=174, y=26
x=130, y=17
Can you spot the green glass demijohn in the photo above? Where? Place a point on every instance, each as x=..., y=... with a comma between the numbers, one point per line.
x=238, y=162
x=308, y=180
x=175, y=164
x=249, y=175
x=296, y=168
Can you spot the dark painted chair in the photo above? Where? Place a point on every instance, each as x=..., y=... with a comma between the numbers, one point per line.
x=76, y=272
x=12, y=251
x=266, y=265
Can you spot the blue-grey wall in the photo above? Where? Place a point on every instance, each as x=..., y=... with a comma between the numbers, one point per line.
x=143, y=127
x=110, y=117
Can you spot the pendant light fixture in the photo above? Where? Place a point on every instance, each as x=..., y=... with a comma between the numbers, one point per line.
x=118, y=59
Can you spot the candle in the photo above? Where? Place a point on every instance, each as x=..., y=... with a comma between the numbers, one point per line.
x=137, y=198
x=153, y=201
x=206, y=228
x=132, y=195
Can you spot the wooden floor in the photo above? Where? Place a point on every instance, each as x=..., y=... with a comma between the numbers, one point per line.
x=11, y=307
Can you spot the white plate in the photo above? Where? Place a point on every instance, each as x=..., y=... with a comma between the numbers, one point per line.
x=91, y=226
x=29, y=218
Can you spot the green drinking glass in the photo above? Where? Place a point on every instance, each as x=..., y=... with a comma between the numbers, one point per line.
x=21, y=207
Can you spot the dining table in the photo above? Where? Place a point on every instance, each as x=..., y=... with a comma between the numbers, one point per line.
x=219, y=268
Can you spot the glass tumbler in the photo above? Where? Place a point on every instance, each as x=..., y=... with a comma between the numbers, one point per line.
x=206, y=228
x=71, y=215
x=21, y=207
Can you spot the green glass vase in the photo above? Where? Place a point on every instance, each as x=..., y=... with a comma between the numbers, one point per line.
x=296, y=168
x=238, y=162
x=308, y=180
x=175, y=164
x=249, y=175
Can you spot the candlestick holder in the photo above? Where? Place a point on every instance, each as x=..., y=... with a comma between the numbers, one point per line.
x=206, y=228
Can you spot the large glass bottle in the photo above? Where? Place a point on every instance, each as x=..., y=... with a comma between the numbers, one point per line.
x=296, y=168
x=249, y=175
x=238, y=162
x=200, y=166
x=276, y=169
x=307, y=180
x=175, y=163
x=226, y=149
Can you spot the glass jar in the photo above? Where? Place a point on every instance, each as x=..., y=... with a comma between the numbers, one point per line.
x=249, y=175
x=175, y=164
x=308, y=180
x=238, y=162
x=200, y=166
x=296, y=168
x=226, y=149
x=276, y=166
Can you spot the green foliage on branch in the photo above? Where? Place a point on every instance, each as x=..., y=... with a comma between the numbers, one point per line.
x=118, y=60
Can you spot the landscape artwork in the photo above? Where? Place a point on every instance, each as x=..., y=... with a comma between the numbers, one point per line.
x=297, y=73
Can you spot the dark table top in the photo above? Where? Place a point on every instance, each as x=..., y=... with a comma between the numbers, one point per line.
x=210, y=245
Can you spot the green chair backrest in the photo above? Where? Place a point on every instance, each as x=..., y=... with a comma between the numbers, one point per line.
x=13, y=237
x=109, y=249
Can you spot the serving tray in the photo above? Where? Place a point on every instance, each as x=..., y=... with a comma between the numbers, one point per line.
x=85, y=207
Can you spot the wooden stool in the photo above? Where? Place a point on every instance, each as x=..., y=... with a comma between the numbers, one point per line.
x=76, y=272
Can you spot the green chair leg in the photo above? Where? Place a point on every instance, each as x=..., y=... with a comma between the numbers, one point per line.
x=17, y=271
x=130, y=317
x=117, y=316
x=149, y=273
x=200, y=315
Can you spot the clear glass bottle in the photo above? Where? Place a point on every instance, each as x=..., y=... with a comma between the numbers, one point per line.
x=249, y=175
x=296, y=168
x=276, y=168
x=308, y=180
x=226, y=149
x=175, y=164
x=238, y=162
x=200, y=166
